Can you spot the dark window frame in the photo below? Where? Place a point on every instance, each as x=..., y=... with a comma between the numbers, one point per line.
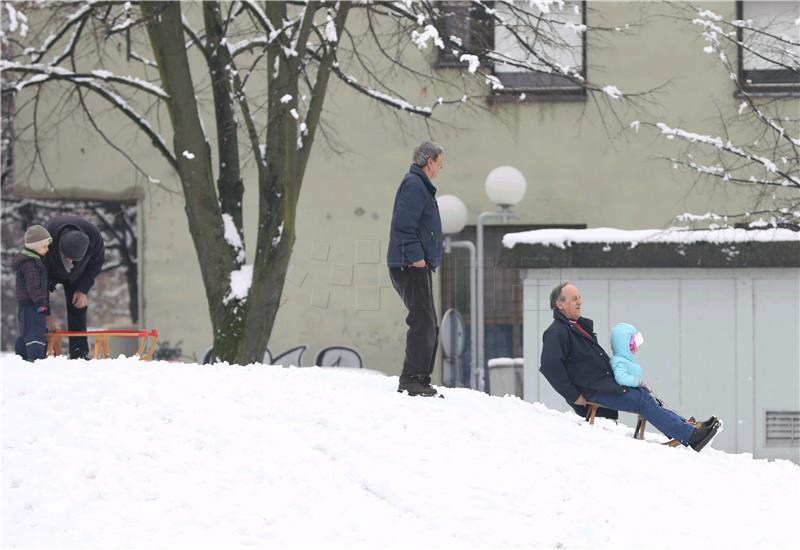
x=552, y=87
x=444, y=58
x=536, y=86
x=762, y=81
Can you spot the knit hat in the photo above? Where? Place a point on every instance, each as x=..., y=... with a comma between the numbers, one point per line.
x=73, y=245
x=37, y=236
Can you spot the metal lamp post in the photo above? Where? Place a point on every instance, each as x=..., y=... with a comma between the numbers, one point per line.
x=505, y=186
x=454, y=218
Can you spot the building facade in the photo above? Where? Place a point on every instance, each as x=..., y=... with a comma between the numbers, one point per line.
x=585, y=167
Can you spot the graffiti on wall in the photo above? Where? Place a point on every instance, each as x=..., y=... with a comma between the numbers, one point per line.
x=331, y=356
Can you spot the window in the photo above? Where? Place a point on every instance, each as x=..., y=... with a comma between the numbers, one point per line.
x=467, y=24
x=536, y=42
x=528, y=42
x=502, y=290
x=768, y=62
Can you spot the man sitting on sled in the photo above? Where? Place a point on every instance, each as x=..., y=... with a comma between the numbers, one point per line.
x=579, y=369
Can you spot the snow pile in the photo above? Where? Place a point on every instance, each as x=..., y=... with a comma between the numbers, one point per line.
x=121, y=453
x=566, y=237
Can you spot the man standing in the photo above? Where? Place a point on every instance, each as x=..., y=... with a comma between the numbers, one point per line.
x=74, y=260
x=415, y=250
x=580, y=370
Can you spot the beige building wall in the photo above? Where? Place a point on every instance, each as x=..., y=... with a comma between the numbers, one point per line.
x=578, y=168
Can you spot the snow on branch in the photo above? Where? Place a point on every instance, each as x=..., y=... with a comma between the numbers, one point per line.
x=79, y=15
x=421, y=39
x=17, y=20
x=248, y=44
x=92, y=83
x=387, y=99
x=55, y=72
x=232, y=236
x=728, y=147
x=120, y=103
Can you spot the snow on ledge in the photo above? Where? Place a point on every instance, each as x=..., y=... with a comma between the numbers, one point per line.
x=563, y=238
x=506, y=362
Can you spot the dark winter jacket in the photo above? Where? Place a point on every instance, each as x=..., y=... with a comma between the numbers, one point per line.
x=573, y=362
x=31, y=279
x=83, y=272
x=416, y=232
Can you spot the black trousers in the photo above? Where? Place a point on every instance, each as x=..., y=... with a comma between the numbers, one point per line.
x=76, y=321
x=415, y=287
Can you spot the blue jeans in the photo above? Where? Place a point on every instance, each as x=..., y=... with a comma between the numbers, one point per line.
x=641, y=401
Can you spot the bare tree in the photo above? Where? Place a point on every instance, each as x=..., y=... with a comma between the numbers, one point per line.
x=292, y=49
x=759, y=145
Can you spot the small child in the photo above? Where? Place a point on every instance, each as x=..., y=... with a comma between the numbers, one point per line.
x=32, y=294
x=625, y=341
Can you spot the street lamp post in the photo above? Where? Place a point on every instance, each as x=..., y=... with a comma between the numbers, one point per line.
x=505, y=186
x=454, y=218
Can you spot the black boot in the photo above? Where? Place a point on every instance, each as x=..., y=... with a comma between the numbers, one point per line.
x=415, y=387
x=710, y=422
x=703, y=435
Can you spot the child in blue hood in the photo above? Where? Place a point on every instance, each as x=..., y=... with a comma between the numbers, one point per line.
x=625, y=341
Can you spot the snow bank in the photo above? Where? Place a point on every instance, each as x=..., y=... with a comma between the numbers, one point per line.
x=122, y=453
x=566, y=237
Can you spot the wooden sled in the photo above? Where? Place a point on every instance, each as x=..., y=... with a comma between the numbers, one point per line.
x=638, y=433
x=101, y=341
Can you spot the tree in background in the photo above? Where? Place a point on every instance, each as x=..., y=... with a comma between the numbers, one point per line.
x=268, y=66
x=760, y=52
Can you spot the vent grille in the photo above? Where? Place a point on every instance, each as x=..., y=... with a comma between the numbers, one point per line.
x=783, y=428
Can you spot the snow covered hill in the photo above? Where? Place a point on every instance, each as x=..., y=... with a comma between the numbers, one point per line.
x=120, y=453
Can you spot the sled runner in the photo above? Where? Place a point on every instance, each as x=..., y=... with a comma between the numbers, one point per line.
x=101, y=341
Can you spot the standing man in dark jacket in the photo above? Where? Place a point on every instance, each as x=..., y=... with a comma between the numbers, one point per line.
x=580, y=370
x=415, y=250
x=74, y=260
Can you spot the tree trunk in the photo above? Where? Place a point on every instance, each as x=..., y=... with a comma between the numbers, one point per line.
x=217, y=258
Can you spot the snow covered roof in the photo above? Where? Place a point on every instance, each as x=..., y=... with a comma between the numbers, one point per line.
x=675, y=247
x=608, y=235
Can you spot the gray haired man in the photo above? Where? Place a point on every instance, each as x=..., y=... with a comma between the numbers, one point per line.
x=415, y=250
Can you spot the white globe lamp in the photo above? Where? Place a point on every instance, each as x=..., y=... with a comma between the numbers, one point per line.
x=505, y=186
x=453, y=214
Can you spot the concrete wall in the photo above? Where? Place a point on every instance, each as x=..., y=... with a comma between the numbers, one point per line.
x=717, y=341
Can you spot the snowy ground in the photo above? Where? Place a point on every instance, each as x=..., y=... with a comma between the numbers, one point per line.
x=123, y=454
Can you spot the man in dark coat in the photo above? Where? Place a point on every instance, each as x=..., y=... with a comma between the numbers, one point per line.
x=415, y=250
x=580, y=370
x=74, y=260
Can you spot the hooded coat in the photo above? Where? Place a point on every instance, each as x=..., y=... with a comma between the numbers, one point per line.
x=627, y=371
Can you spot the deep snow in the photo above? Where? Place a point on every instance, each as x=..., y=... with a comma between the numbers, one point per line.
x=121, y=453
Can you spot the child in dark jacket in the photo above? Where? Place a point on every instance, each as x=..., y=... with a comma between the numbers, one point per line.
x=32, y=294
